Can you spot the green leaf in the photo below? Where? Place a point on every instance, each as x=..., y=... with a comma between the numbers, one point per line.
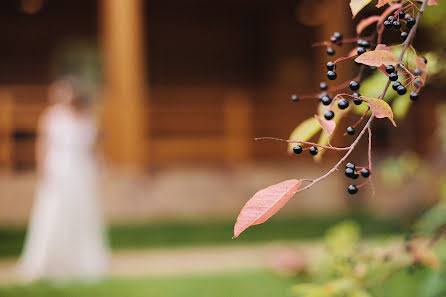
x=357, y=5
x=342, y=238
x=304, y=131
x=400, y=106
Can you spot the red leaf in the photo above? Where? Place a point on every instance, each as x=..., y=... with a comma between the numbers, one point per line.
x=383, y=47
x=380, y=109
x=328, y=126
x=357, y=5
x=364, y=23
x=381, y=3
x=377, y=58
x=264, y=204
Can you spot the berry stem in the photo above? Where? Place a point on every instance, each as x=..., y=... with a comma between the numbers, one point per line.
x=304, y=142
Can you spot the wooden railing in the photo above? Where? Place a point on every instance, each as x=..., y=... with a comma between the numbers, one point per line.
x=182, y=132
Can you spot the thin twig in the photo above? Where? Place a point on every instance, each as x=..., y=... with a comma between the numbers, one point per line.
x=304, y=142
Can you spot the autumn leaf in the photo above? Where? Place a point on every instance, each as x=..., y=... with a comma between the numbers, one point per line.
x=377, y=58
x=383, y=47
x=381, y=3
x=304, y=132
x=357, y=5
x=328, y=126
x=380, y=109
x=364, y=23
x=264, y=204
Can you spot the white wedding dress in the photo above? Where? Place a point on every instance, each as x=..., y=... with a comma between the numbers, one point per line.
x=65, y=238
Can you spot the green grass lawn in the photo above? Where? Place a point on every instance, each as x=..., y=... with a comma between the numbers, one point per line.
x=172, y=234
x=246, y=284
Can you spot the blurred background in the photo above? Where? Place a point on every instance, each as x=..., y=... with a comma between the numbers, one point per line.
x=184, y=87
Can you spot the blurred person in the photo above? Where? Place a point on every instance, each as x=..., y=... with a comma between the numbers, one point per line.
x=65, y=238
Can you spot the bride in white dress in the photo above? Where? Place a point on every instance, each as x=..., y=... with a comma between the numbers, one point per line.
x=65, y=238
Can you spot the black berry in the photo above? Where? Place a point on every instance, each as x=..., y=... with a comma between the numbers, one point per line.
x=330, y=65
x=323, y=86
x=410, y=22
x=424, y=59
x=313, y=150
x=352, y=189
x=363, y=43
x=332, y=75
x=417, y=72
x=354, y=85
x=337, y=35
x=361, y=50
x=393, y=76
x=343, y=103
x=297, y=149
x=350, y=165
x=355, y=176
x=401, y=90
x=294, y=98
x=417, y=83
x=330, y=51
x=326, y=100
x=328, y=115
x=350, y=131
x=333, y=39
x=407, y=16
x=390, y=69
x=387, y=24
x=357, y=100
x=396, y=24
x=365, y=172
x=414, y=96
x=349, y=172
x=395, y=85
x=390, y=18
x=404, y=35
x=401, y=14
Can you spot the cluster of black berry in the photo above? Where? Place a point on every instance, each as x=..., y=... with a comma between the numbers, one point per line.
x=398, y=87
x=298, y=149
x=336, y=38
x=342, y=103
x=395, y=21
x=353, y=173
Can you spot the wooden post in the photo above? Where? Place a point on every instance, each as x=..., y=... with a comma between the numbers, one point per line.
x=125, y=121
x=6, y=129
x=237, y=127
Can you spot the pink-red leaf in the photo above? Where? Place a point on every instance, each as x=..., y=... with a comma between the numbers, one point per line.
x=328, y=126
x=364, y=23
x=381, y=3
x=380, y=109
x=357, y=5
x=377, y=58
x=264, y=204
x=383, y=47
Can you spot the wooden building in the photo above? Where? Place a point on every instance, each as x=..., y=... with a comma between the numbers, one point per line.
x=181, y=81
